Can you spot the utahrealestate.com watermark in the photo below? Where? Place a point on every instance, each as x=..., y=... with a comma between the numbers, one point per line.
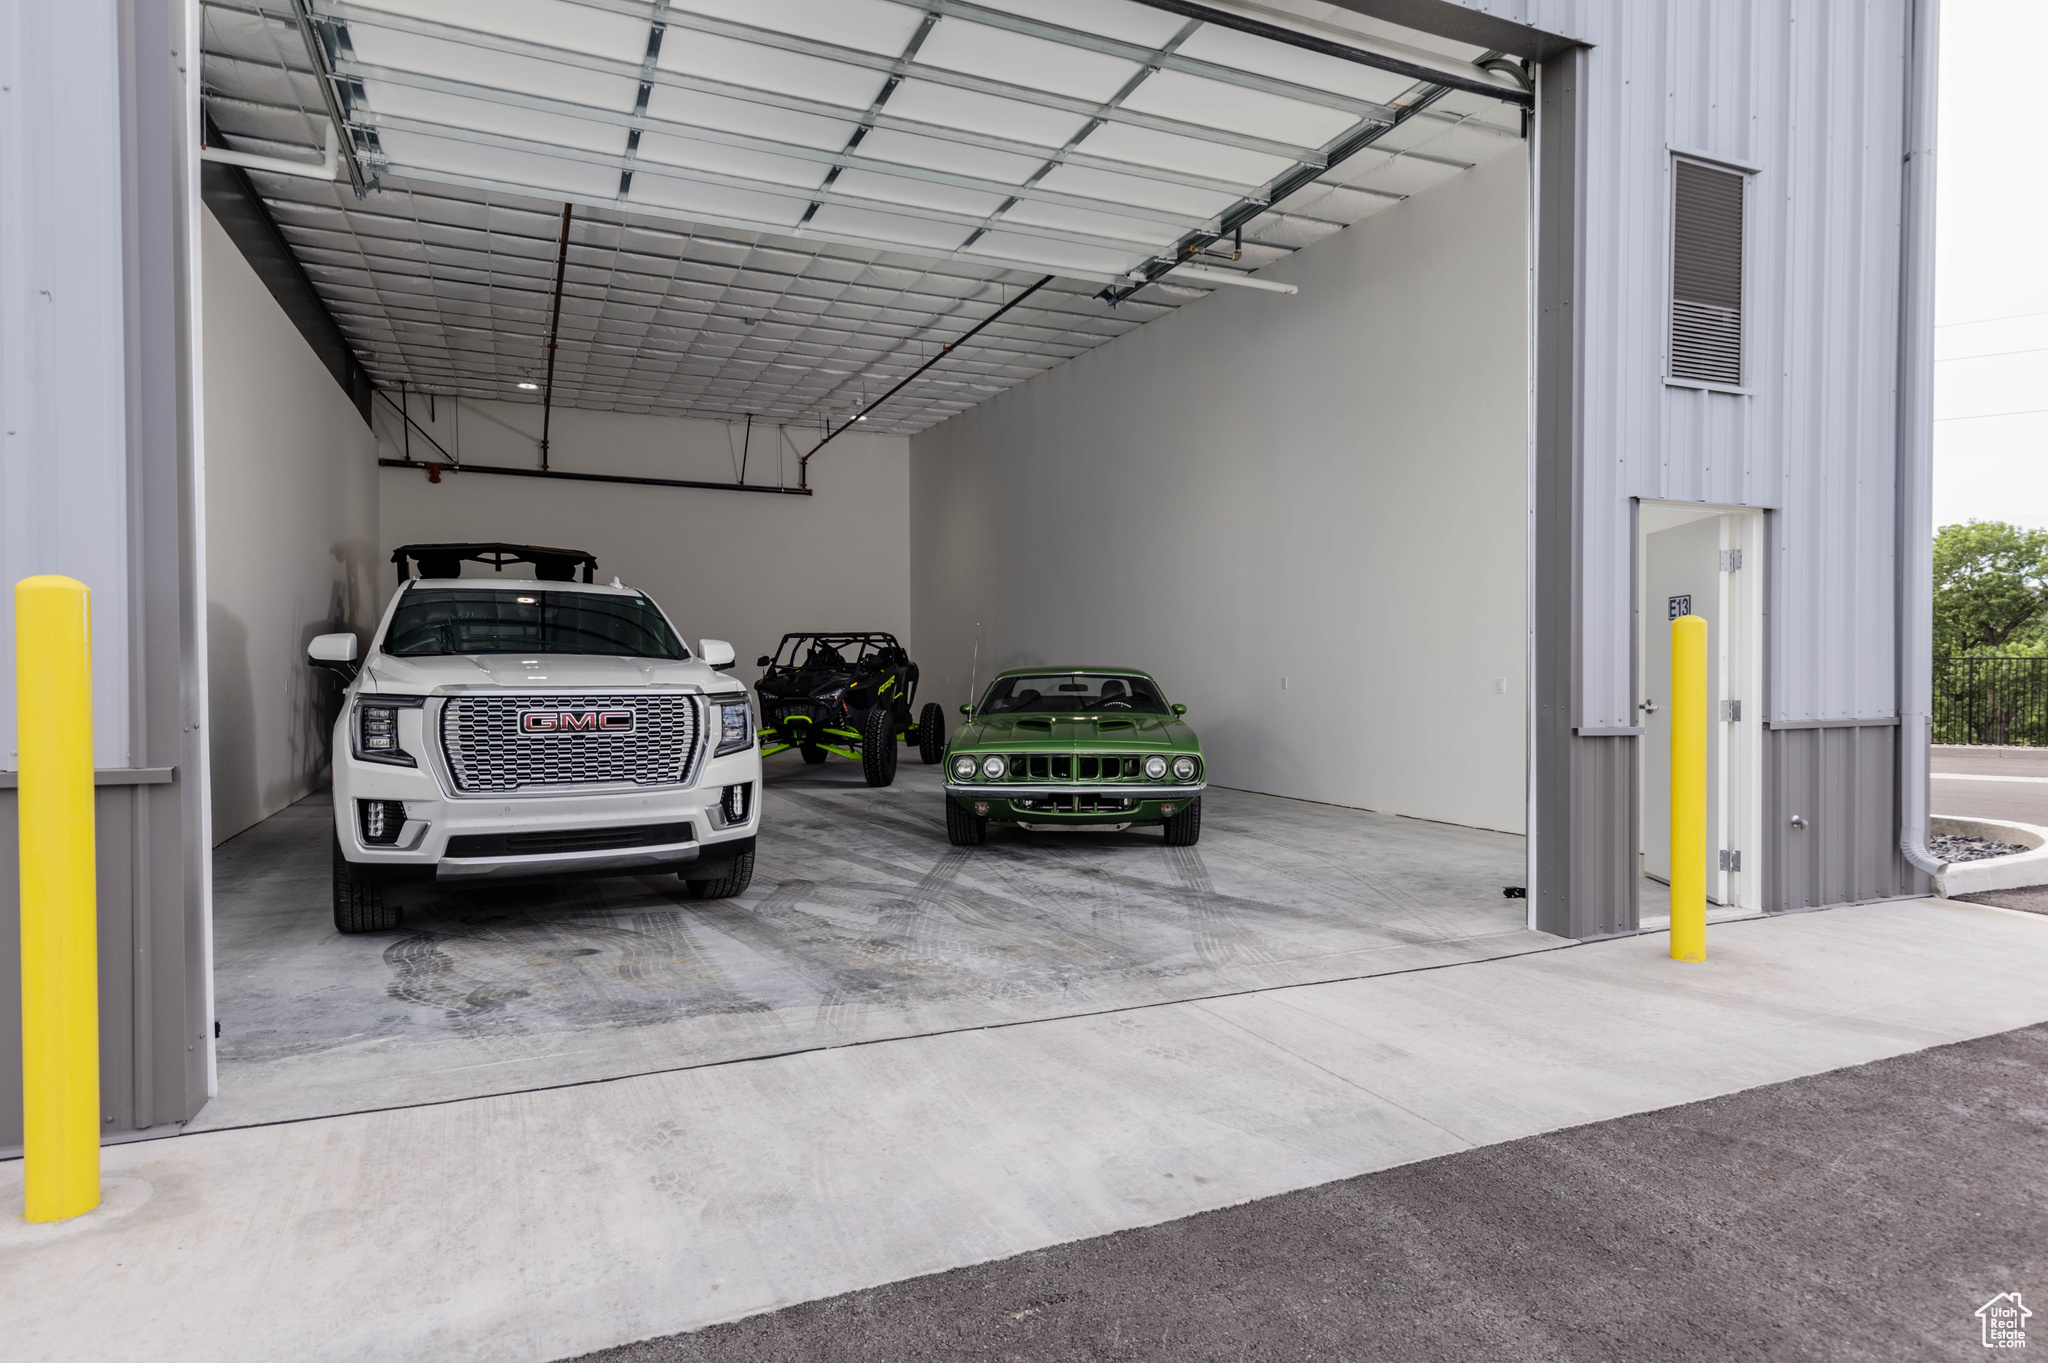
x=2004, y=1319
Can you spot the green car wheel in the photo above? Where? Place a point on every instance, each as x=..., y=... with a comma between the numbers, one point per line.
x=964, y=828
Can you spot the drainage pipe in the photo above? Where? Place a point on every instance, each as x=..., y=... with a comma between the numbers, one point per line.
x=1915, y=473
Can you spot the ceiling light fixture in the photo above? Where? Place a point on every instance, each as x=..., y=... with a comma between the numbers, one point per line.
x=529, y=387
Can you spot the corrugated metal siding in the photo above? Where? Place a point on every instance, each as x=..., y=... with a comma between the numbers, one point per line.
x=1843, y=783
x=1811, y=93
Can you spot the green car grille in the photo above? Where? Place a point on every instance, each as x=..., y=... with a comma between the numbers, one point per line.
x=1071, y=767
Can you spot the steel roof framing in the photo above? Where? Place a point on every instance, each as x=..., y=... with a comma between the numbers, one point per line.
x=724, y=314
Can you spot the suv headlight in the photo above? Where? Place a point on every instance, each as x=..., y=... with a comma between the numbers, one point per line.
x=963, y=767
x=993, y=766
x=1155, y=768
x=373, y=729
x=735, y=726
x=1183, y=768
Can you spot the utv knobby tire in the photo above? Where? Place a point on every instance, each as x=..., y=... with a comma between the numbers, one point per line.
x=739, y=874
x=1185, y=828
x=812, y=753
x=359, y=904
x=931, y=732
x=964, y=828
x=878, y=745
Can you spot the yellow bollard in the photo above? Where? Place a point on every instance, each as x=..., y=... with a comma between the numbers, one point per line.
x=60, y=1016
x=1688, y=788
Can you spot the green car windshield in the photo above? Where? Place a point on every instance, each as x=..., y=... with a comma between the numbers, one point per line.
x=1073, y=693
x=438, y=622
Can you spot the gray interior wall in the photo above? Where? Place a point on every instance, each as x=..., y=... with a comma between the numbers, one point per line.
x=746, y=567
x=1329, y=487
x=291, y=539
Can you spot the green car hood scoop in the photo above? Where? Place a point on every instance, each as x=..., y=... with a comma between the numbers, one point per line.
x=1075, y=728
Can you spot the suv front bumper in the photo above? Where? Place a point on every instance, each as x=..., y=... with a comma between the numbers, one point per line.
x=430, y=843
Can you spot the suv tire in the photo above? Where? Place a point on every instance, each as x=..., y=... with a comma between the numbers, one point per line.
x=931, y=732
x=813, y=754
x=359, y=904
x=878, y=745
x=1185, y=828
x=964, y=828
x=739, y=873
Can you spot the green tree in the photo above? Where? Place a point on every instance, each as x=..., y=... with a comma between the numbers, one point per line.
x=1990, y=588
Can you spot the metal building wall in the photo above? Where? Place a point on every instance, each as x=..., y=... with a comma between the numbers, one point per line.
x=111, y=69
x=1810, y=96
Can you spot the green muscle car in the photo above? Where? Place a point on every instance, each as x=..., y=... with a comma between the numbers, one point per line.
x=1083, y=748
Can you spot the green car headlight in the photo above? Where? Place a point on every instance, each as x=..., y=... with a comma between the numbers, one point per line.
x=963, y=767
x=1183, y=768
x=993, y=766
x=1155, y=768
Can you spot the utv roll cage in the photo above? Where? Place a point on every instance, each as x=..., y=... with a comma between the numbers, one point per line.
x=800, y=658
x=446, y=560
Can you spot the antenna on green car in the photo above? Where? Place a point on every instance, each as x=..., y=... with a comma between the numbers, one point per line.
x=974, y=672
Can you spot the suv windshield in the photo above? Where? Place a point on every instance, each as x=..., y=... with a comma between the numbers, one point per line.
x=1073, y=692
x=441, y=621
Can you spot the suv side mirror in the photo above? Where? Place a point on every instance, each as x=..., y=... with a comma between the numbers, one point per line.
x=967, y=709
x=716, y=653
x=764, y=661
x=1179, y=710
x=334, y=652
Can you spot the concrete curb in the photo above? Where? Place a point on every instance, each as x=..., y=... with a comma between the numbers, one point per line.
x=2009, y=872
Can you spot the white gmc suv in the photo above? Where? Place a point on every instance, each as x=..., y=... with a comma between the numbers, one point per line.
x=502, y=728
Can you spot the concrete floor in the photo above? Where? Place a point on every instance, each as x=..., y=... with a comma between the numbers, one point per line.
x=546, y=1224
x=863, y=924
x=1858, y=1216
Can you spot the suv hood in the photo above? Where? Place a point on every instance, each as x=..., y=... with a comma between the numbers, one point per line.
x=1094, y=733
x=547, y=672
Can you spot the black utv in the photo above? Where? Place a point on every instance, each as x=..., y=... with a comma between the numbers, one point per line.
x=850, y=694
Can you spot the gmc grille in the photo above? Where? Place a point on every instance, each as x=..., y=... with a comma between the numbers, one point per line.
x=486, y=750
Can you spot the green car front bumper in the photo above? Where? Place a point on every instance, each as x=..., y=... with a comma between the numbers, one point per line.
x=1075, y=803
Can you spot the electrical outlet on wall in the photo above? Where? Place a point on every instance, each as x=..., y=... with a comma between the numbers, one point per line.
x=1283, y=683
x=1500, y=686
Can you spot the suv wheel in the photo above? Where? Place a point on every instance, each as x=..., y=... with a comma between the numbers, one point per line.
x=358, y=900
x=1185, y=828
x=739, y=873
x=931, y=733
x=813, y=754
x=964, y=828
x=878, y=745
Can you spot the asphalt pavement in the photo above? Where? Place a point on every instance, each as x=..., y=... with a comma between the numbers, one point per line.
x=2011, y=783
x=1861, y=1214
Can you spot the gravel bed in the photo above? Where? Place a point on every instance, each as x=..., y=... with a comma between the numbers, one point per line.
x=1954, y=847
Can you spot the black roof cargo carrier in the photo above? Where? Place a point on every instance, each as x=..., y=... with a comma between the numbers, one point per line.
x=446, y=560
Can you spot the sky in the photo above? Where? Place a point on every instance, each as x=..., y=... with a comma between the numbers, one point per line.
x=1991, y=273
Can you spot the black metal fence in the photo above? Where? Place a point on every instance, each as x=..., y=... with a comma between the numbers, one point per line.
x=1991, y=700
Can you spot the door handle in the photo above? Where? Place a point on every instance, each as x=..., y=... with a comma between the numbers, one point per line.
x=1648, y=707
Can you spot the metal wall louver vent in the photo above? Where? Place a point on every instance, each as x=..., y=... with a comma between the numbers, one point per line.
x=1706, y=274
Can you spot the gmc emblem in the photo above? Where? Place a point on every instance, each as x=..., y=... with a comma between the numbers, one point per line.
x=576, y=721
